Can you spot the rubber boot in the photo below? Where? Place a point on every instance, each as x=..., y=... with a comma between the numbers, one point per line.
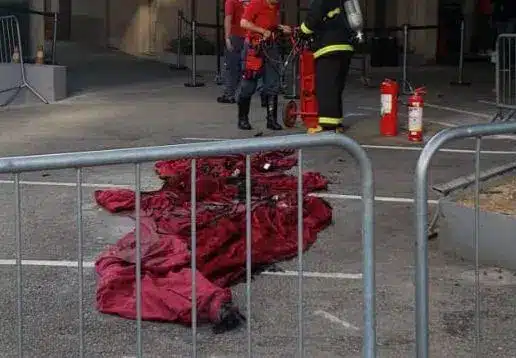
x=243, y=114
x=272, y=113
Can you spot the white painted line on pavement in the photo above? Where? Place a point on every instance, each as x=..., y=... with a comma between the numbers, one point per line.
x=444, y=150
x=458, y=110
x=71, y=185
x=386, y=199
x=89, y=264
x=392, y=147
x=336, y=275
x=491, y=103
x=336, y=320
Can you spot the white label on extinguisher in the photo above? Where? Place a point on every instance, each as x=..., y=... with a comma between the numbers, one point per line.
x=386, y=100
x=415, y=119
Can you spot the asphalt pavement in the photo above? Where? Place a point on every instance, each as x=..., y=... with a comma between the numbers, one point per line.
x=159, y=110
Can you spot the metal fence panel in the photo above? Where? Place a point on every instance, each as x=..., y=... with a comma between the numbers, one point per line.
x=505, y=76
x=10, y=40
x=136, y=156
x=421, y=217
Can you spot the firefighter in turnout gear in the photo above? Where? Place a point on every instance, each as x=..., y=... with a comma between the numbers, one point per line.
x=327, y=26
x=261, y=21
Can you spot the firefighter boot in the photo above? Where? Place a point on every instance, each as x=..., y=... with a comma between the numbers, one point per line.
x=243, y=114
x=272, y=113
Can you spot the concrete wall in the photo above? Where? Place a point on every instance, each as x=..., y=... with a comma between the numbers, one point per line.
x=49, y=81
x=418, y=13
x=148, y=26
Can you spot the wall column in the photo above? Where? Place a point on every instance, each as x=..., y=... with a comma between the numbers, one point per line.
x=37, y=27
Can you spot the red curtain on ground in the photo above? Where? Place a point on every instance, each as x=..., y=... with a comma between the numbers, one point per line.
x=221, y=227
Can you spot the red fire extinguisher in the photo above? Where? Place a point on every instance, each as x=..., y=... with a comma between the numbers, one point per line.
x=389, y=110
x=415, y=115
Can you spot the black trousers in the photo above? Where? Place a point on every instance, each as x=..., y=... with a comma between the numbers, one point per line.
x=270, y=76
x=331, y=72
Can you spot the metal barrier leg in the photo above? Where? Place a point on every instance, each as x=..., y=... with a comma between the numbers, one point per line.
x=300, y=230
x=19, y=271
x=248, y=248
x=193, y=254
x=138, y=259
x=80, y=272
x=477, y=264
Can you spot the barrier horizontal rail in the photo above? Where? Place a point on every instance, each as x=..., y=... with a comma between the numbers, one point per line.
x=421, y=217
x=136, y=156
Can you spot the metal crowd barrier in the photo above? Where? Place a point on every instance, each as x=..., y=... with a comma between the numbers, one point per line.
x=421, y=217
x=10, y=40
x=53, y=15
x=406, y=86
x=193, y=28
x=136, y=156
x=505, y=77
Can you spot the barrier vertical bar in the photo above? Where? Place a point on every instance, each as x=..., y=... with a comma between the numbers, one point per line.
x=477, y=264
x=54, y=38
x=19, y=271
x=138, y=259
x=460, y=79
x=193, y=254
x=368, y=264
x=80, y=235
x=249, y=247
x=300, y=245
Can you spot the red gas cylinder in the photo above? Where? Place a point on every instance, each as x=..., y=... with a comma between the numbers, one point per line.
x=415, y=115
x=389, y=110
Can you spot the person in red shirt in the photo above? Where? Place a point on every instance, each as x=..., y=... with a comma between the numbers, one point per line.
x=234, y=40
x=260, y=20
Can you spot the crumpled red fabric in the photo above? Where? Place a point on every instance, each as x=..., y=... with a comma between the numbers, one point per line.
x=165, y=229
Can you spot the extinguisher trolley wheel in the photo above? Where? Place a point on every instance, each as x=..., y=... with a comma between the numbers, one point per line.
x=290, y=114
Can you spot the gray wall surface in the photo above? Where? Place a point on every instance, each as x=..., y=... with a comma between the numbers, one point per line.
x=49, y=81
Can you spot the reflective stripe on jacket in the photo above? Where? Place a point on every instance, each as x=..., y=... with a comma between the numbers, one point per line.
x=326, y=21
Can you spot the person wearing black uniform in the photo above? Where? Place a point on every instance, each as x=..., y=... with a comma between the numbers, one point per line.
x=327, y=25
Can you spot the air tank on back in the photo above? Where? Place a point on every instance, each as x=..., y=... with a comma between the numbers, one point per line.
x=355, y=18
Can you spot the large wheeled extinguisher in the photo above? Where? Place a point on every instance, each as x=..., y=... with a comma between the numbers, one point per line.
x=415, y=115
x=389, y=110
